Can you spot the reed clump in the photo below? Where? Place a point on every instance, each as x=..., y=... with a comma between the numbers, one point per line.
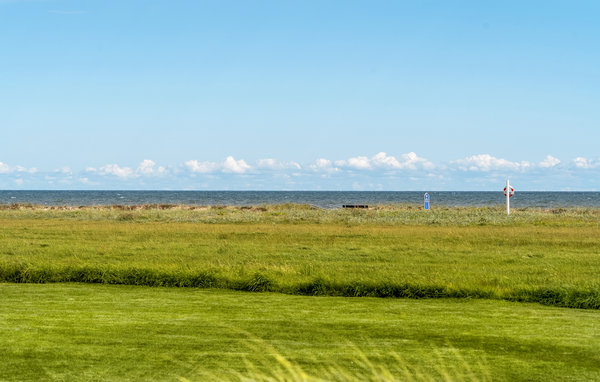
x=257, y=282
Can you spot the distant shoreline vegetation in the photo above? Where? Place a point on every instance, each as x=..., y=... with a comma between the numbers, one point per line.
x=306, y=213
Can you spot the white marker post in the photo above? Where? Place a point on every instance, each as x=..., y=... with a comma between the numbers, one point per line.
x=507, y=193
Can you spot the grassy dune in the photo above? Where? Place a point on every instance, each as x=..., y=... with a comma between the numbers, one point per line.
x=547, y=256
x=101, y=332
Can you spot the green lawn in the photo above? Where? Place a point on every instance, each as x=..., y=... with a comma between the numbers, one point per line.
x=550, y=257
x=102, y=332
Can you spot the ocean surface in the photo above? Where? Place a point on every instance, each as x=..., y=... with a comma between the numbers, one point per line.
x=324, y=199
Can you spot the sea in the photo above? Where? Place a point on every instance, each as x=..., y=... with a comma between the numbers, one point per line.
x=322, y=199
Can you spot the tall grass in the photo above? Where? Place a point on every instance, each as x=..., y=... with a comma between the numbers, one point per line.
x=274, y=366
x=556, y=296
x=544, y=256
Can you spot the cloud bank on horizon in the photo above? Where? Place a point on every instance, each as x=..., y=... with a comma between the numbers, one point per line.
x=381, y=171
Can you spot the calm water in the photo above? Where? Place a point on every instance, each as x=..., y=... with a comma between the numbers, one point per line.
x=326, y=199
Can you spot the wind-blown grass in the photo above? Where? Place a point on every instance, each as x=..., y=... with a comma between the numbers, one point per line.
x=274, y=366
x=545, y=256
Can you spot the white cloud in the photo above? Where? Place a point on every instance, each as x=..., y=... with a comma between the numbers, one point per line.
x=147, y=167
x=549, y=161
x=31, y=170
x=323, y=165
x=116, y=170
x=228, y=165
x=236, y=166
x=581, y=162
x=64, y=170
x=359, y=163
x=201, y=167
x=6, y=169
x=524, y=165
x=383, y=160
x=486, y=162
x=410, y=161
x=273, y=164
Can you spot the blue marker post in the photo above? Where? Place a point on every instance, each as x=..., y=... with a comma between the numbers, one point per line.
x=426, y=204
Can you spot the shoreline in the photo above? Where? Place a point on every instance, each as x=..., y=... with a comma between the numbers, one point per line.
x=278, y=206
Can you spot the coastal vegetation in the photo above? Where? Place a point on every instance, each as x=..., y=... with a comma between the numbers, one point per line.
x=545, y=256
x=394, y=214
x=160, y=292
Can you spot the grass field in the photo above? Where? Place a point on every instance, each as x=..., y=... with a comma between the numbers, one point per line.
x=100, y=332
x=551, y=257
x=474, y=271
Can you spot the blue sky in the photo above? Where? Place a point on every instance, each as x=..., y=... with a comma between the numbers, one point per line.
x=299, y=95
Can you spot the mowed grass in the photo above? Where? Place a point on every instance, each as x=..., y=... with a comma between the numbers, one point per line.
x=549, y=256
x=101, y=332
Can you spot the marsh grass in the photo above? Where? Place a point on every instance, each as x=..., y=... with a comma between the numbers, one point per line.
x=545, y=256
x=398, y=214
